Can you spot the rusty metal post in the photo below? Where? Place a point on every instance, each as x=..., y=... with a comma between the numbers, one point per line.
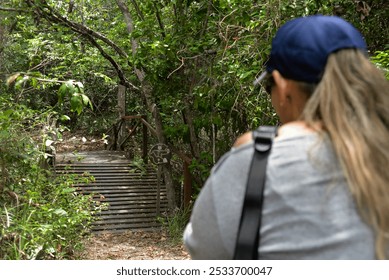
x=187, y=185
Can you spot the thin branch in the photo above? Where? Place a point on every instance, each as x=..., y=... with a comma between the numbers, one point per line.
x=182, y=64
x=41, y=64
x=12, y=10
x=139, y=12
x=160, y=23
x=119, y=70
x=71, y=6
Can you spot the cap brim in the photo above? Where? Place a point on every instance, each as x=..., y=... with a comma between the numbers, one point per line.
x=260, y=78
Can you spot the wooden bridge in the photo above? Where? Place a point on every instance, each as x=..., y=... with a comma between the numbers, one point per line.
x=134, y=197
x=129, y=191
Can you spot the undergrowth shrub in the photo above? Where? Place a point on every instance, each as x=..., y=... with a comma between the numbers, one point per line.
x=381, y=59
x=42, y=216
x=175, y=223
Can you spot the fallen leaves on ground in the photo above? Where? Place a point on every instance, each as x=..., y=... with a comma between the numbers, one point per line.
x=133, y=245
x=72, y=142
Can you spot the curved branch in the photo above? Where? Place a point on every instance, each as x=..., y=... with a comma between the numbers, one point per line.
x=179, y=67
x=48, y=13
x=52, y=16
x=117, y=67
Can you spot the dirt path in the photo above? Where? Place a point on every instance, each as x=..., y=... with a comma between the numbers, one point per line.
x=132, y=246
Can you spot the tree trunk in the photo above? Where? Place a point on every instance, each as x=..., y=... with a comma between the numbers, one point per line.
x=146, y=91
x=121, y=110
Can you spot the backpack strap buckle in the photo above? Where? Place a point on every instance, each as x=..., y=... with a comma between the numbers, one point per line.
x=263, y=138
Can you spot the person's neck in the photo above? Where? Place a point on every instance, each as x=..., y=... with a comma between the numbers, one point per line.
x=296, y=128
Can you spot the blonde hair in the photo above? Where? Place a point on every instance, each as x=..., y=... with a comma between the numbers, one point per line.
x=352, y=104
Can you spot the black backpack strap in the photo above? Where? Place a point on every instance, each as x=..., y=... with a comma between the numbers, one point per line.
x=248, y=234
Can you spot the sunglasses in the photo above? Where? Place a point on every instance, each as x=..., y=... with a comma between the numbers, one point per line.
x=268, y=84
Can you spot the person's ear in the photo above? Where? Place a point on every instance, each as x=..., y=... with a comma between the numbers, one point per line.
x=282, y=87
x=279, y=80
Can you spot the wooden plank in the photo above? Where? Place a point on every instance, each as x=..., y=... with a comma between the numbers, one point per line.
x=113, y=187
x=109, y=197
x=149, y=214
x=134, y=206
x=130, y=202
x=100, y=195
x=126, y=211
x=118, y=183
x=105, y=191
x=139, y=195
x=121, y=180
x=128, y=170
x=131, y=220
x=115, y=227
x=113, y=193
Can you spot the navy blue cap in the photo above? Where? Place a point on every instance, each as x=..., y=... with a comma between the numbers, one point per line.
x=301, y=46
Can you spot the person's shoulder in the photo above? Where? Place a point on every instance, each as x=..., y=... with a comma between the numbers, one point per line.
x=239, y=152
x=243, y=139
x=296, y=128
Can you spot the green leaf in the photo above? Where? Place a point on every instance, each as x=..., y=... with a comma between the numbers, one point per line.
x=86, y=101
x=63, y=90
x=80, y=87
x=21, y=82
x=64, y=118
x=76, y=103
x=60, y=212
x=70, y=87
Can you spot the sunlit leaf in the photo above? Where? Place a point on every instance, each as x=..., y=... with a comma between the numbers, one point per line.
x=12, y=79
x=60, y=212
x=21, y=82
x=65, y=118
x=48, y=142
x=86, y=101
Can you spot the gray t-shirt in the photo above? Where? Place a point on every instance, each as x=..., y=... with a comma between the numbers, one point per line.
x=308, y=211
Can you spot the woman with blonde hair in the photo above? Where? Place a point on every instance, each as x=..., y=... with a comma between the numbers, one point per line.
x=327, y=180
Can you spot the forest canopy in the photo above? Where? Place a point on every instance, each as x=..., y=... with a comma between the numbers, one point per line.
x=187, y=65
